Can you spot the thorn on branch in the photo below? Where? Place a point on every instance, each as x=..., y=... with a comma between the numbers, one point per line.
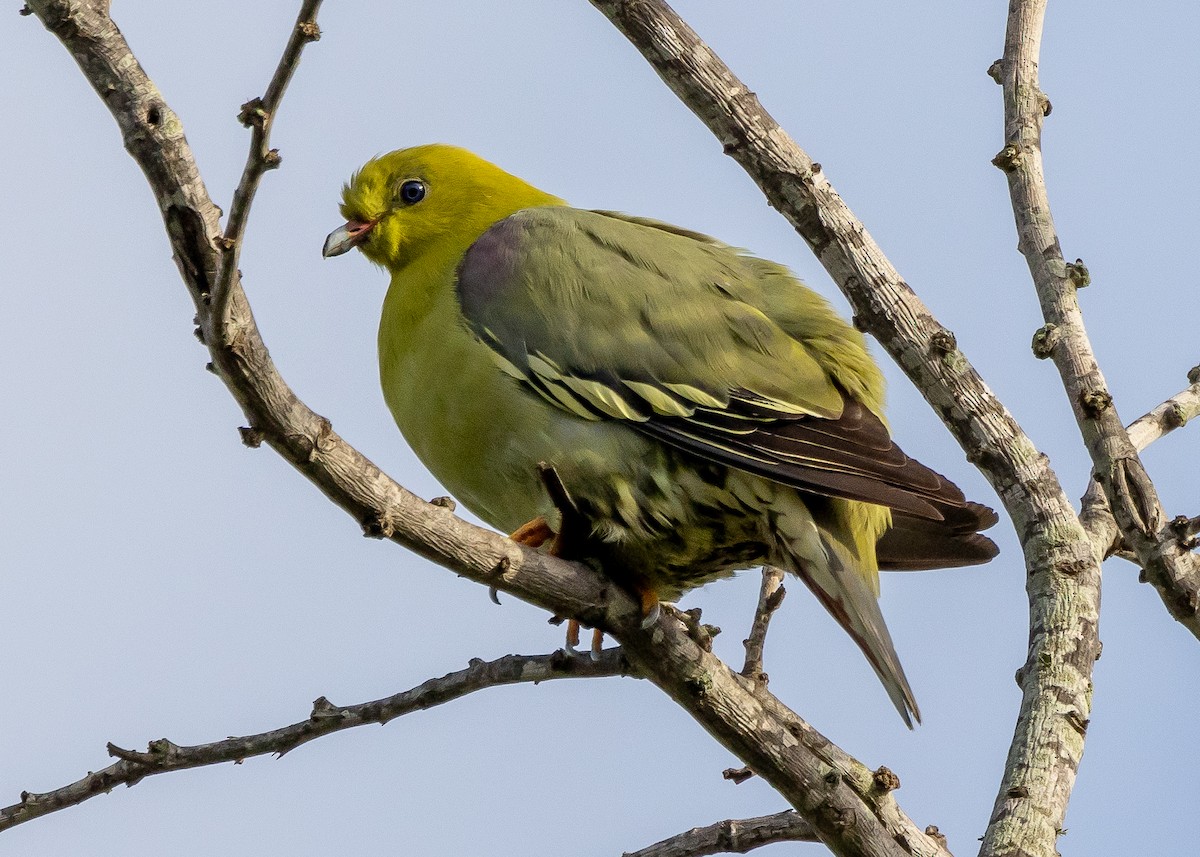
x=1009, y=158
x=272, y=159
x=937, y=836
x=318, y=442
x=378, y=526
x=24, y=12
x=698, y=686
x=1186, y=530
x=943, y=342
x=1193, y=375
x=885, y=780
x=251, y=437
x=444, y=502
x=1044, y=340
x=1077, y=722
x=700, y=634
x=252, y=114
x=996, y=71
x=1095, y=402
x=1047, y=107
x=155, y=752
x=737, y=776
x=309, y=31
x=224, y=244
x=322, y=708
x=1078, y=274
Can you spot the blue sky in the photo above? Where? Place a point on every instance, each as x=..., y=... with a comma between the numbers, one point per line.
x=160, y=580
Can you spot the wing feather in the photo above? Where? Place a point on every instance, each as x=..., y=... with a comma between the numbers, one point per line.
x=694, y=343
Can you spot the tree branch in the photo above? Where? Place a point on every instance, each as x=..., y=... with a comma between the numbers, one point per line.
x=732, y=836
x=163, y=756
x=1130, y=493
x=1174, y=413
x=850, y=811
x=770, y=596
x=1063, y=580
x=258, y=114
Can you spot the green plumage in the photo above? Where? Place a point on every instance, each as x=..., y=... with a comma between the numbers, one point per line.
x=705, y=410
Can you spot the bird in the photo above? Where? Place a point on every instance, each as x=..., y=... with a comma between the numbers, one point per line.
x=704, y=410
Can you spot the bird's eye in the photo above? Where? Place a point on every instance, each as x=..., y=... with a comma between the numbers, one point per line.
x=412, y=192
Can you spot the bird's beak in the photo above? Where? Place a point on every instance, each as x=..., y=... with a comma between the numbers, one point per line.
x=346, y=236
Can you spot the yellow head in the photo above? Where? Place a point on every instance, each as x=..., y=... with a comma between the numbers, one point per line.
x=402, y=204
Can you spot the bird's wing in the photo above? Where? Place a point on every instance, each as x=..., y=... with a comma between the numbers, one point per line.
x=692, y=342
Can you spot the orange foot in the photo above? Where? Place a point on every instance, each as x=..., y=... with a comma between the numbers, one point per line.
x=534, y=534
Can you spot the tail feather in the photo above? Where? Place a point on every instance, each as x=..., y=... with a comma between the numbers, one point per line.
x=841, y=587
x=918, y=544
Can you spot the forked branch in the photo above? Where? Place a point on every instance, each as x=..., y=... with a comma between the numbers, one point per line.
x=732, y=836
x=1128, y=489
x=162, y=756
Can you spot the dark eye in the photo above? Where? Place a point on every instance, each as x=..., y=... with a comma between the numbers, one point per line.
x=412, y=192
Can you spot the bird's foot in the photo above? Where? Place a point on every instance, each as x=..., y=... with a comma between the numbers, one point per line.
x=533, y=533
x=572, y=643
x=651, y=606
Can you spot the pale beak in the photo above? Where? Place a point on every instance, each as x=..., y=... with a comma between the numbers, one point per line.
x=345, y=237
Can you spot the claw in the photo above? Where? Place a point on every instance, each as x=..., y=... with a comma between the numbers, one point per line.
x=494, y=594
x=650, y=618
x=650, y=609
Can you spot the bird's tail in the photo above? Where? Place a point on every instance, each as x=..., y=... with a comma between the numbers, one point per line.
x=835, y=577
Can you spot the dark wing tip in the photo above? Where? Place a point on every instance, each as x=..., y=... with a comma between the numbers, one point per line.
x=920, y=544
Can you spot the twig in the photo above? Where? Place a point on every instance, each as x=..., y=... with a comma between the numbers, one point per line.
x=1131, y=495
x=733, y=836
x=163, y=756
x=770, y=596
x=737, y=776
x=258, y=114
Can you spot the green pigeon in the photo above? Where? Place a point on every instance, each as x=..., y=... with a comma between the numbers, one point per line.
x=704, y=410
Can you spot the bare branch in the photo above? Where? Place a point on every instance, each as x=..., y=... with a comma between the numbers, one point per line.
x=1131, y=495
x=770, y=595
x=259, y=115
x=1063, y=581
x=1029, y=811
x=1175, y=412
x=1095, y=513
x=163, y=756
x=732, y=836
